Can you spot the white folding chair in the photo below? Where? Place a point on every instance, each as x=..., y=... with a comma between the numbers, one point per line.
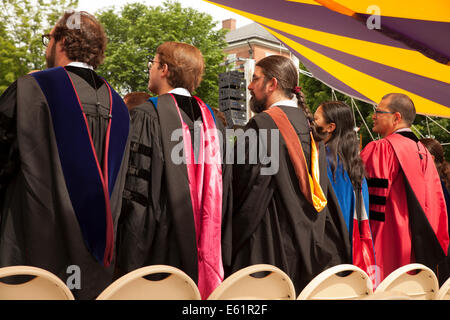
x=387, y=295
x=329, y=285
x=133, y=286
x=241, y=285
x=423, y=285
x=43, y=286
x=444, y=291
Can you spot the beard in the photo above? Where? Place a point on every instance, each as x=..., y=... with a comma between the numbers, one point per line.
x=50, y=59
x=258, y=106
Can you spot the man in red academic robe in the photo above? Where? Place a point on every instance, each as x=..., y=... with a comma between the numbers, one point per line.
x=407, y=207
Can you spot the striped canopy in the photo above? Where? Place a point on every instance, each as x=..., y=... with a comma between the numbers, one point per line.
x=365, y=48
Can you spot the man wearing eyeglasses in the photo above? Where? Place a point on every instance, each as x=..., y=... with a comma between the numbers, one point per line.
x=407, y=207
x=62, y=162
x=177, y=193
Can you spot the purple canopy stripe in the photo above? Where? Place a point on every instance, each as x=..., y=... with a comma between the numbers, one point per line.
x=349, y=57
x=411, y=24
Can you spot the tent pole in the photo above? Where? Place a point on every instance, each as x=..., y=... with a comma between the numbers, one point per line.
x=417, y=130
x=438, y=124
x=362, y=118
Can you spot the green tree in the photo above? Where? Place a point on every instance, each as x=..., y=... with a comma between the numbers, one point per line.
x=9, y=67
x=137, y=30
x=22, y=22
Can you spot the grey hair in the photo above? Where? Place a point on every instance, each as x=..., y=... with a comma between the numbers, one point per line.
x=404, y=105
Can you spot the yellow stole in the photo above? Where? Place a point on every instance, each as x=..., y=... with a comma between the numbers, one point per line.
x=309, y=185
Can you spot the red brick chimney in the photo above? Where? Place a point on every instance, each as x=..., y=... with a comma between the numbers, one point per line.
x=229, y=24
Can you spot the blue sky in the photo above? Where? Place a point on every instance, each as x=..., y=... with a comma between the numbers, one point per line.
x=218, y=13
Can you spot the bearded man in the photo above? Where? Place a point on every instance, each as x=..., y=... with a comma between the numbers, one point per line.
x=287, y=216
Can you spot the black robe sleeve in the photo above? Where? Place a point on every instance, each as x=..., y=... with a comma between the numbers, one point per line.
x=252, y=191
x=142, y=215
x=147, y=227
x=9, y=153
x=227, y=195
x=273, y=222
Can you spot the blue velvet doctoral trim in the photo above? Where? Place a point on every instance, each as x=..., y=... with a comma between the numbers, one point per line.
x=77, y=155
x=345, y=193
x=343, y=189
x=154, y=100
x=120, y=126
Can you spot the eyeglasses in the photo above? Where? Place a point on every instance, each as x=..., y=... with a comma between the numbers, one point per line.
x=151, y=61
x=382, y=112
x=46, y=39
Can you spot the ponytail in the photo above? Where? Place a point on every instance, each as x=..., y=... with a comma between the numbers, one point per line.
x=309, y=116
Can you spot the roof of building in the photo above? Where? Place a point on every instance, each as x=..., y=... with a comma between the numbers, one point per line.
x=252, y=30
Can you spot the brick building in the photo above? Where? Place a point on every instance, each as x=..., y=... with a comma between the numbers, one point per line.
x=246, y=46
x=252, y=42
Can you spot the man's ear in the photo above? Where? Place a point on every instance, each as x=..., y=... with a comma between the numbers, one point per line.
x=398, y=118
x=272, y=84
x=60, y=45
x=164, y=70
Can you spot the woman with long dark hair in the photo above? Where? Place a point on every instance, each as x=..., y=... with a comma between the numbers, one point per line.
x=335, y=125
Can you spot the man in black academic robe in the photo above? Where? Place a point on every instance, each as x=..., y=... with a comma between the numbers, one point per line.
x=63, y=158
x=279, y=218
x=157, y=224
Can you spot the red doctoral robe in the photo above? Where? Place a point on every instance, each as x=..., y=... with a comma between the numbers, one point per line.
x=407, y=208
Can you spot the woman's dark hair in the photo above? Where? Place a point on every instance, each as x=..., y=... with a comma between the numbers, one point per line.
x=343, y=141
x=84, y=37
x=442, y=166
x=284, y=70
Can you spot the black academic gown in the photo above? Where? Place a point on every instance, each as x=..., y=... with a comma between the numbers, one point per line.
x=38, y=226
x=157, y=224
x=273, y=222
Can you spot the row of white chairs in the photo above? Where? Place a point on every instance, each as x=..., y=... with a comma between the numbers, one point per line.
x=413, y=281
x=410, y=282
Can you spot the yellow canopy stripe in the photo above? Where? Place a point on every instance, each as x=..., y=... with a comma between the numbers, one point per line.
x=371, y=87
x=403, y=59
x=430, y=10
